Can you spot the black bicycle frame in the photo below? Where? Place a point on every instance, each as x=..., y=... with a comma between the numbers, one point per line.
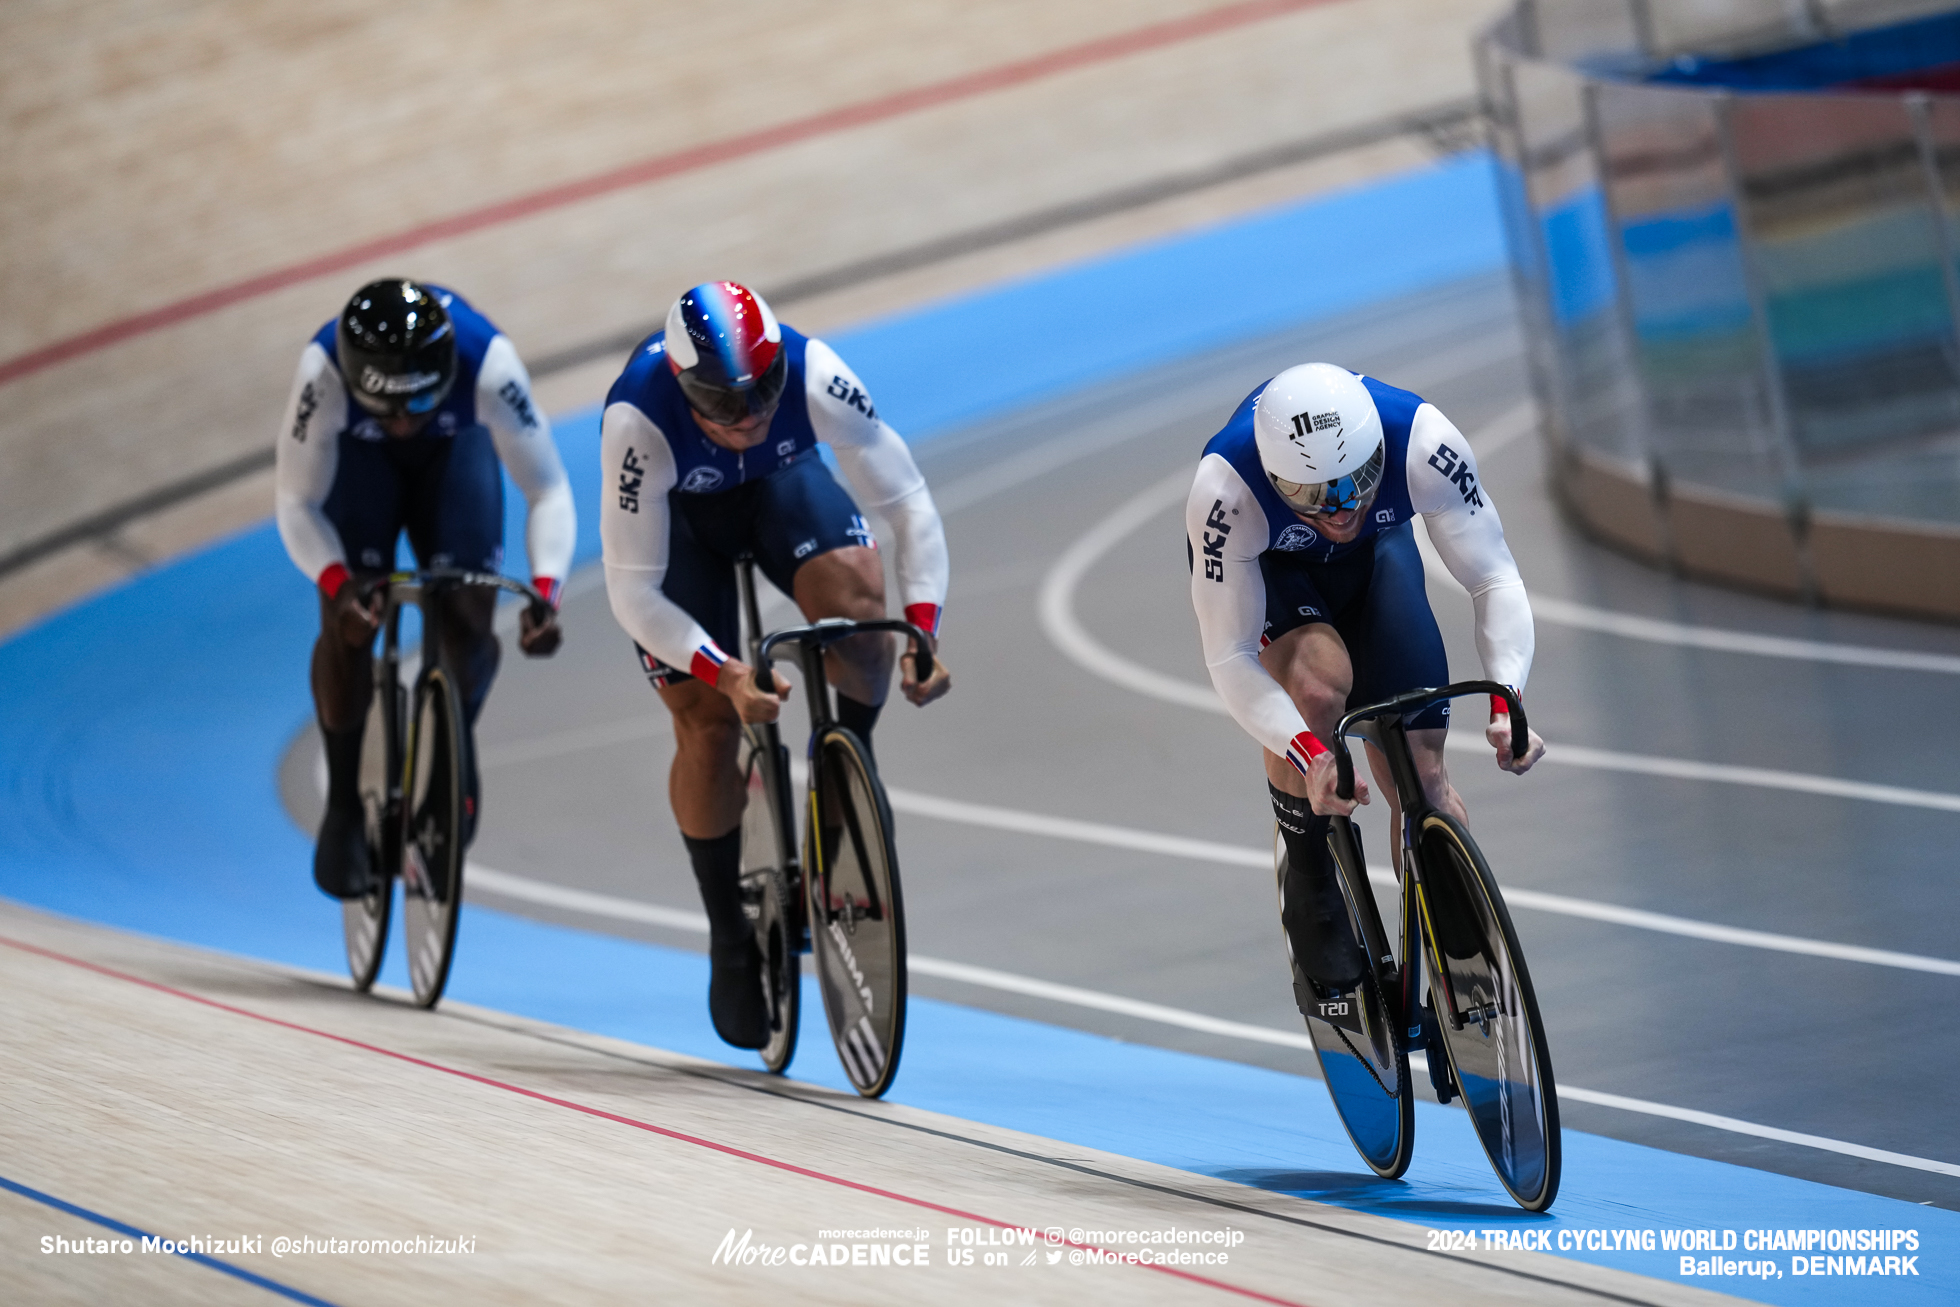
x=1384, y=728
x=810, y=642
x=426, y=590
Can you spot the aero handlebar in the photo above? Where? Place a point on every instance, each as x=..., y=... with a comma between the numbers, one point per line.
x=1416, y=699
x=830, y=629
x=410, y=584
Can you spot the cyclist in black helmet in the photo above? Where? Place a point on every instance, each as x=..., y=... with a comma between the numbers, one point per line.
x=400, y=413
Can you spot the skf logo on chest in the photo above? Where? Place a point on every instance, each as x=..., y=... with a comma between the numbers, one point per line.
x=1457, y=469
x=1215, y=545
x=631, y=473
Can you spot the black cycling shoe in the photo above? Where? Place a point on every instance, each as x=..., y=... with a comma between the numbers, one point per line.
x=735, y=998
x=343, y=864
x=1319, y=930
x=1441, y=1078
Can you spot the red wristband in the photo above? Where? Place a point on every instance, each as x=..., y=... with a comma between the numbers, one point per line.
x=707, y=664
x=332, y=579
x=1305, y=748
x=924, y=616
x=547, y=587
x=1499, y=708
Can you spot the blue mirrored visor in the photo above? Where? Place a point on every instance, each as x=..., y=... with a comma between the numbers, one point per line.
x=1315, y=498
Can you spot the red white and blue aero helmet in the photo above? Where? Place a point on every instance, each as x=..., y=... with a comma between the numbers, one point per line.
x=1320, y=439
x=726, y=350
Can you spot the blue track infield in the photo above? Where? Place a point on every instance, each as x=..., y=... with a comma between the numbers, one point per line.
x=139, y=756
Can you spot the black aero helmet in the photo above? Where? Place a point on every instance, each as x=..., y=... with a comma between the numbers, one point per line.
x=397, y=348
x=726, y=350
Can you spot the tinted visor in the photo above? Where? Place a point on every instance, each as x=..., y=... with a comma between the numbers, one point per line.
x=1353, y=491
x=728, y=405
x=411, y=381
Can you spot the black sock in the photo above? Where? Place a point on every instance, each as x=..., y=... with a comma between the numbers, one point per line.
x=1315, y=915
x=343, y=767
x=1305, y=833
x=718, y=871
x=858, y=718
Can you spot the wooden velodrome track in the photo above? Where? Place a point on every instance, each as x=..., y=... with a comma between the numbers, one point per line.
x=189, y=189
x=194, y=192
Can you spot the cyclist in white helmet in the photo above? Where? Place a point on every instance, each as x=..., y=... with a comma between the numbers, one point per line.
x=1310, y=599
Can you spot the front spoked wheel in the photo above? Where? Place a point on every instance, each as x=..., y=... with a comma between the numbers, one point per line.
x=857, y=916
x=1488, y=1013
x=766, y=895
x=364, y=921
x=1355, y=1035
x=433, y=833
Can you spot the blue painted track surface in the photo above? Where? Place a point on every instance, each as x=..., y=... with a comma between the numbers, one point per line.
x=140, y=749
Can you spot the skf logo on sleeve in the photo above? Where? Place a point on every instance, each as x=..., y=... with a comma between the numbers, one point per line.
x=519, y=400
x=852, y=395
x=308, y=402
x=1457, y=469
x=1215, y=545
x=631, y=473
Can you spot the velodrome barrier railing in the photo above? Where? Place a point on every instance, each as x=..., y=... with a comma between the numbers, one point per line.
x=1742, y=308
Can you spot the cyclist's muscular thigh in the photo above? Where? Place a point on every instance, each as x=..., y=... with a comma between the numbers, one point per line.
x=703, y=785
x=849, y=582
x=1311, y=663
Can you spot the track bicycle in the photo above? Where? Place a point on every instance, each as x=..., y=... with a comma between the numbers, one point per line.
x=1484, y=1037
x=840, y=899
x=417, y=787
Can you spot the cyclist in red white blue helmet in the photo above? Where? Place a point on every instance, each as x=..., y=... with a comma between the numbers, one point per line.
x=710, y=451
x=726, y=349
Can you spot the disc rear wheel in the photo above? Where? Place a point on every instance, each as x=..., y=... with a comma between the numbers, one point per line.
x=1488, y=1014
x=857, y=916
x=364, y=921
x=433, y=833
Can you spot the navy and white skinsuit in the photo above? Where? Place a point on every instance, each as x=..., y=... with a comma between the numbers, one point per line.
x=345, y=489
x=676, y=508
x=1259, y=571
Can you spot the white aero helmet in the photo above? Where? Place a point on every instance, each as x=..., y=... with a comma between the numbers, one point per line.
x=1320, y=439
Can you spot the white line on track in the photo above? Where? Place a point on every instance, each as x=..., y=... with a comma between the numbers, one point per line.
x=1021, y=822
x=524, y=889
x=1563, y=612
x=1056, y=606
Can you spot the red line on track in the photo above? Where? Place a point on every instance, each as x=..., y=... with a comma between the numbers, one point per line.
x=660, y=166
x=663, y=1131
